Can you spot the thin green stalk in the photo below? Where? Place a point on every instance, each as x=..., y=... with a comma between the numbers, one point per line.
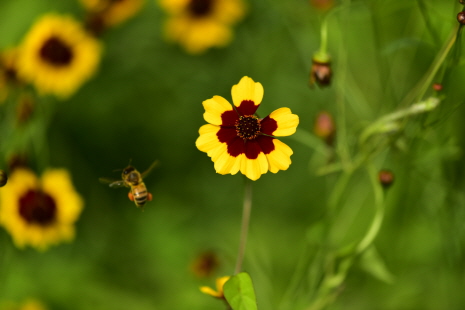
x=379, y=214
x=247, y=207
x=429, y=25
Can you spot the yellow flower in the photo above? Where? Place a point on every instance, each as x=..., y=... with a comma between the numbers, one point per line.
x=111, y=12
x=30, y=304
x=237, y=140
x=219, y=288
x=200, y=24
x=58, y=55
x=37, y=212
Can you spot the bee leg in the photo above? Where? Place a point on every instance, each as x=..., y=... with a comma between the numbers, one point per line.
x=131, y=196
x=149, y=197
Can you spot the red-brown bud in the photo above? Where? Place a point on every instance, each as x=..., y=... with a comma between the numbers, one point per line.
x=321, y=73
x=461, y=18
x=324, y=127
x=322, y=4
x=386, y=178
x=437, y=86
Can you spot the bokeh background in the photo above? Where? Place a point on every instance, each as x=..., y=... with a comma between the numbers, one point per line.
x=144, y=104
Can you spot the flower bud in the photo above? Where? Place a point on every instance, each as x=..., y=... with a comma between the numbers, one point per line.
x=321, y=72
x=322, y=4
x=3, y=178
x=386, y=178
x=437, y=86
x=324, y=127
x=461, y=18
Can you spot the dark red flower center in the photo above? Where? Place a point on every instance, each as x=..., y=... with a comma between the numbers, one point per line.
x=248, y=127
x=56, y=52
x=37, y=207
x=200, y=8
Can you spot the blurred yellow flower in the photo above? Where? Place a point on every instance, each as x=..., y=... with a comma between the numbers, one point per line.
x=205, y=264
x=111, y=12
x=30, y=304
x=219, y=288
x=237, y=140
x=58, y=55
x=37, y=212
x=200, y=24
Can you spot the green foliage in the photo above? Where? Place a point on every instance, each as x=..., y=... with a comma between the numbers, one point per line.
x=239, y=292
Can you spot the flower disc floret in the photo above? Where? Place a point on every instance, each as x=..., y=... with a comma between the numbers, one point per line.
x=237, y=140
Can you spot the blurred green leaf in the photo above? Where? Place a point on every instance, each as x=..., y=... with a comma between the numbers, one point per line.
x=373, y=264
x=239, y=292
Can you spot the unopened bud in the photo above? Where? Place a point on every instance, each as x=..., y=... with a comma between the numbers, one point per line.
x=437, y=87
x=461, y=18
x=386, y=178
x=324, y=127
x=322, y=4
x=321, y=73
x=3, y=178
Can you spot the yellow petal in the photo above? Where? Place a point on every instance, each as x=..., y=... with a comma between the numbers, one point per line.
x=214, y=108
x=208, y=140
x=247, y=89
x=224, y=163
x=287, y=122
x=209, y=291
x=280, y=157
x=254, y=168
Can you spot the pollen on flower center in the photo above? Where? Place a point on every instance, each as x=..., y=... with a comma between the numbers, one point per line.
x=248, y=127
x=37, y=207
x=200, y=8
x=56, y=52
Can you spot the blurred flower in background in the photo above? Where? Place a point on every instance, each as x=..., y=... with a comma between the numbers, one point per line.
x=58, y=55
x=30, y=304
x=322, y=4
x=8, y=76
x=205, y=264
x=109, y=13
x=236, y=139
x=37, y=212
x=201, y=24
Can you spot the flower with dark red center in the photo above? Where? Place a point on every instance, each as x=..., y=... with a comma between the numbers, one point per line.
x=57, y=55
x=201, y=24
x=237, y=140
x=39, y=212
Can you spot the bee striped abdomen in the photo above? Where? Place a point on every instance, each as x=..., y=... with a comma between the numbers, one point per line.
x=140, y=194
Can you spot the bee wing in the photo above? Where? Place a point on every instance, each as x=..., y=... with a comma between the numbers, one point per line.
x=113, y=183
x=146, y=172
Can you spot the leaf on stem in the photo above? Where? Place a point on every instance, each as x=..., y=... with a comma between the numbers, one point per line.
x=239, y=292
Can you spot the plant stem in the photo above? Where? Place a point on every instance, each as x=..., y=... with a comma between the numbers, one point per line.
x=247, y=207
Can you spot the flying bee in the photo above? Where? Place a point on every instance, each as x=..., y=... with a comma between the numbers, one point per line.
x=133, y=179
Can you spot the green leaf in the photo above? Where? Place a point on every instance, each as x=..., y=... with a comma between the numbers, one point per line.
x=239, y=292
x=372, y=263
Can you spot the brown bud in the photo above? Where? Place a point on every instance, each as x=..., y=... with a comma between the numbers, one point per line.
x=322, y=4
x=205, y=264
x=321, y=73
x=437, y=86
x=3, y=178
x=25, y=109
x=461, y=18
x=386, y=178
x=324, y=127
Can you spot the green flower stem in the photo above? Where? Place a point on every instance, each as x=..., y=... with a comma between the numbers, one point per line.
x=247, y=207
x=388, y=123
x=379, y=214
x=419, y=91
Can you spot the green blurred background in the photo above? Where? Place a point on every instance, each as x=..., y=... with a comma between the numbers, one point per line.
x=145, y=104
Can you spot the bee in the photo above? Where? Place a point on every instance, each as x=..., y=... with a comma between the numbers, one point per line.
x=133, y=179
